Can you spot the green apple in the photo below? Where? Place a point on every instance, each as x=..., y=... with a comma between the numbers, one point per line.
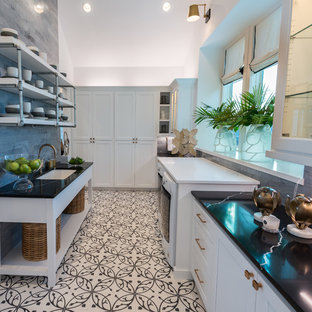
x=13, y=166
x=21, y=160
x=25, y=169
x=34, y=164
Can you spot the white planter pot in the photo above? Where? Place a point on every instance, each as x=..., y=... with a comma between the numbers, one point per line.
x=255, y=142
x=225, y=140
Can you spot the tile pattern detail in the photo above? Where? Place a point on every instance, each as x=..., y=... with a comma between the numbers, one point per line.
x=115, y=263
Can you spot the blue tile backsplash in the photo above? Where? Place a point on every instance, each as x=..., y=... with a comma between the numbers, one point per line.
x=39, y=30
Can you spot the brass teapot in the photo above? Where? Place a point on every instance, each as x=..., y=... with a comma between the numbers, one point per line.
x=266, y=199
x=299, y=209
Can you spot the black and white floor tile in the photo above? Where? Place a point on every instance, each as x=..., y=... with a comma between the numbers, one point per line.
x=116, y=263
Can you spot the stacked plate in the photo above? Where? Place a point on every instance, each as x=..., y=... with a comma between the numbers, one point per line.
x=51, y=114
x=9, y=32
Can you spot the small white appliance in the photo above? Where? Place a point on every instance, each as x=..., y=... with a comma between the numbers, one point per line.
x=167, y=216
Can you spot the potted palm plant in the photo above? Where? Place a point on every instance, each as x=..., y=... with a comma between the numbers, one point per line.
x=254, y=119
x=219, y=118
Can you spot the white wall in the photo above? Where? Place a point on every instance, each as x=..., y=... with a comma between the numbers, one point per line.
x=229, y=20
x=126, y=76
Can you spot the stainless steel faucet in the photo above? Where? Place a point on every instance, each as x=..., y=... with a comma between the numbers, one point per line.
x=51, y=164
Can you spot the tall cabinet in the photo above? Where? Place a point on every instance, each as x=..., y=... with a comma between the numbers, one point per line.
x=93, y=139
x=117, y=131
x=183, y=103
x=135, y=141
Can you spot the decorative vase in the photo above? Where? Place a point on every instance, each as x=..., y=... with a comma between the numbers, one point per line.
x=225, y=140
x=256, y=142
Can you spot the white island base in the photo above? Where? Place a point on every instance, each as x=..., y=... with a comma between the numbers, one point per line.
x=44, y=210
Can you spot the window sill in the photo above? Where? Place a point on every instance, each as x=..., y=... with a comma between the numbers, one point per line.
x=285, y=170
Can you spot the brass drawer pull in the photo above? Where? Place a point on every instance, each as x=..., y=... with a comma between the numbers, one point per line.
x=248, y=274
x=200, y=218
x=256, y=285
x=197, y=275
x=200, y=247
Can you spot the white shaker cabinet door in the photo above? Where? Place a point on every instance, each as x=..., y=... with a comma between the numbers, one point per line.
x=83, y=131
x=103, y=174
x=83, y=150
x=124, y=115
x=234, y=290
x=145, y=164
x=103, y=115
x=267, y=300
x=145, y=115
x=124, y=164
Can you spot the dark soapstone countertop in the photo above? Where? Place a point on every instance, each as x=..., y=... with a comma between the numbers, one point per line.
x=46, y=188
x=288, y=268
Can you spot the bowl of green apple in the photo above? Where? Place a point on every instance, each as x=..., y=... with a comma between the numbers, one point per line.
x=22, y=166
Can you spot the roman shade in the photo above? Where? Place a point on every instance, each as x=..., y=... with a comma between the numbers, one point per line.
x=266, y=44
x=234, y=62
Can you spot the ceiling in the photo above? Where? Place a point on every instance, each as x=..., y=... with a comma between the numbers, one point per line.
x=129, y=33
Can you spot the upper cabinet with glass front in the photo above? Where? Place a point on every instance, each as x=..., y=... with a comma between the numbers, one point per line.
x=292, y=128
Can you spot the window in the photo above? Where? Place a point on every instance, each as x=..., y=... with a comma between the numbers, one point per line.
x=267, y=77
x=232, y=90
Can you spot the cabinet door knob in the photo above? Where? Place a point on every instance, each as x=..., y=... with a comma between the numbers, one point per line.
x=256, y=285
x=200, y=218
x=248, y=274
x=197, y=275
x=199, y=245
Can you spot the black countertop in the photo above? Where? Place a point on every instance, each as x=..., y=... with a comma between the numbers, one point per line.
x=46, y=188
x=288, y=268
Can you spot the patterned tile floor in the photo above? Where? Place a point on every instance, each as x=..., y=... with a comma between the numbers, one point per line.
x=115, y=263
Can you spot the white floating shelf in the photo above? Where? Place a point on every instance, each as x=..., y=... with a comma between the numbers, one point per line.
x=66, y=124
x=34, y=121
x=11, y=85
x=65, y=103
x=8, y=48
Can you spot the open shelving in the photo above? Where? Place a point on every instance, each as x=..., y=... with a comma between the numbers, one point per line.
x=16, y=51
x=164, y=113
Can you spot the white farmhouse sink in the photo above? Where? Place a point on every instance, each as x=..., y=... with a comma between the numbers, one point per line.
x=57, y=174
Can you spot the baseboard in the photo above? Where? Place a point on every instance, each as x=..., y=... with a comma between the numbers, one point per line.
x=97, y=188
x=182, y=274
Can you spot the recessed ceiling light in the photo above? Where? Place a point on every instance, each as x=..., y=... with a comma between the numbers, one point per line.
x=39, y=8
x=87, y=7
x=166, y=6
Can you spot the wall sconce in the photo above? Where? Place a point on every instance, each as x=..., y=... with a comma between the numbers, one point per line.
x=193, y=15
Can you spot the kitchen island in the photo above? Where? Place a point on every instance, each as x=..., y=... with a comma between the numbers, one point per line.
x=44, y=204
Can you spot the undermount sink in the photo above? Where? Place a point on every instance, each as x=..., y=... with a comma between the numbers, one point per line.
x=57, y=174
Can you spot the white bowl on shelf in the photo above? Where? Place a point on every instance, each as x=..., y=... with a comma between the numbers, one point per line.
x=12, y=108
x=44, y=56
x=34, y=49
x=12, y=72
x=39, y=84
x=27, y=74
x=9, y=32
x=27, y=107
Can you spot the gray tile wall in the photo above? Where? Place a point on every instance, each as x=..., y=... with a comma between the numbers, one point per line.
x=284, y=186
x=39, y=30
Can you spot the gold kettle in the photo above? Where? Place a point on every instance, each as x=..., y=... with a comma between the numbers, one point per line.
x=299, y=209
x=266, y=199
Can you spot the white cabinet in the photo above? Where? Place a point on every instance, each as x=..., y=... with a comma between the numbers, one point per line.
x=183, y=103
x=232, y=283
x=226, y=279
x=292, y=130
x=135, y=145
x=117, y=131
x=102, y=154
x=135, y=164
x=125, y=115
x=93, y=137
x=124, y=163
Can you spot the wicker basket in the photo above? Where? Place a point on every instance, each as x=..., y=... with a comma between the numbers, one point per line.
x=34, y=242
x=77, y=204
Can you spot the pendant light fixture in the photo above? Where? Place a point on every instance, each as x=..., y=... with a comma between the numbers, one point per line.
x=193, y=15
x=39, y=7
